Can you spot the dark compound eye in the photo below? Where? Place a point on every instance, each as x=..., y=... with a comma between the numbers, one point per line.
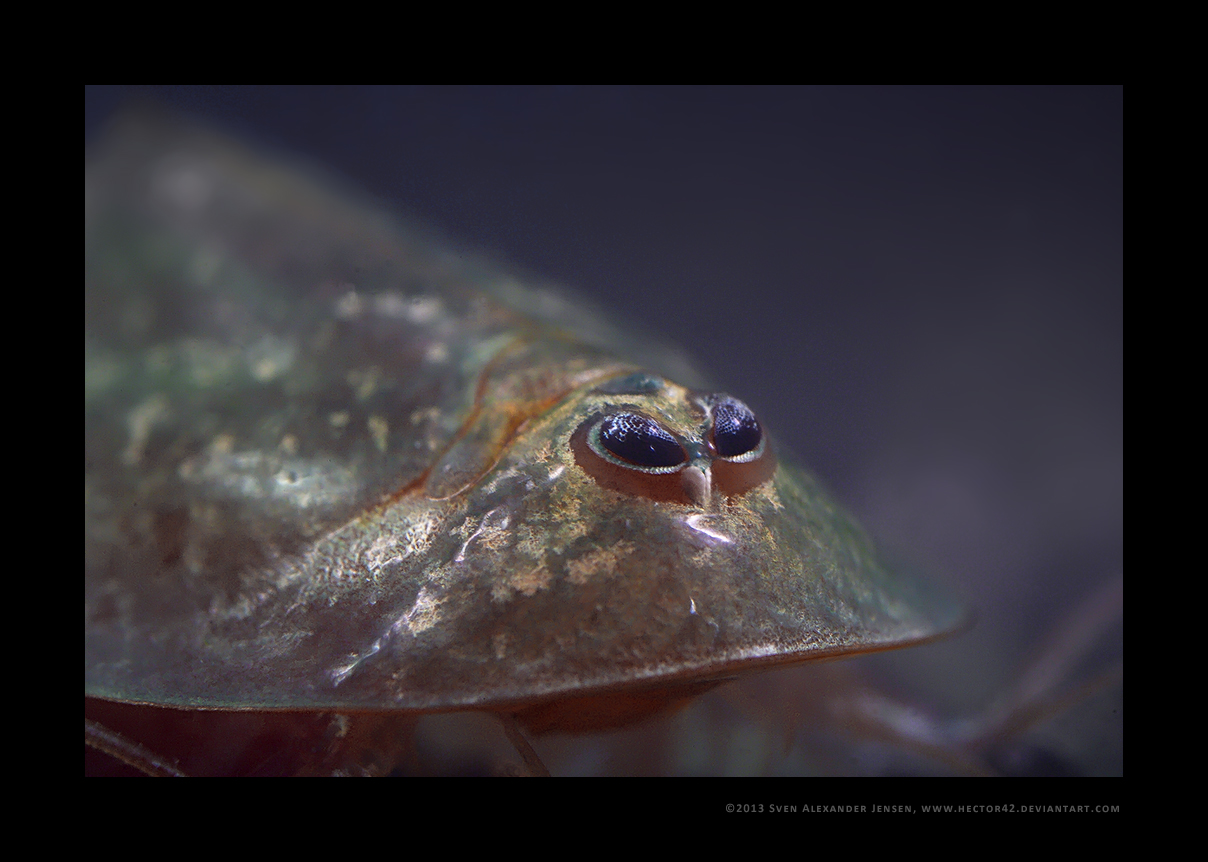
x=736, y=431
x=638, y=441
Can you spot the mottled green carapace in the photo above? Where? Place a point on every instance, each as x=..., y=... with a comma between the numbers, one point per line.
x=331, y=465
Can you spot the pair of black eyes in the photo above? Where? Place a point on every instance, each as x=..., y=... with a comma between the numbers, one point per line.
x=640, y=441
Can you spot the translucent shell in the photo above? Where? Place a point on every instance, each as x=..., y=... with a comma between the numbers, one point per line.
x=330, y=465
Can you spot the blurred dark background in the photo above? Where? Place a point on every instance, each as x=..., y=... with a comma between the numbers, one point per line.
x=920, y=290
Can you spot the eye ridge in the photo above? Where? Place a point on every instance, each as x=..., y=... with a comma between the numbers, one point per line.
x=637, y=442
